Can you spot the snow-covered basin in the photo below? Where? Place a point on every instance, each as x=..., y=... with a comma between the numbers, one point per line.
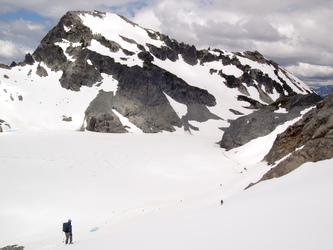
x=149, y=191
x=100, y=179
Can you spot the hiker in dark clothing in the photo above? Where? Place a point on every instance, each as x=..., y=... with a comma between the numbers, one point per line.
x=221, y=202
x=69, y=233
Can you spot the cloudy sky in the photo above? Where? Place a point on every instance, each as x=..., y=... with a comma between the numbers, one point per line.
x=297, y=34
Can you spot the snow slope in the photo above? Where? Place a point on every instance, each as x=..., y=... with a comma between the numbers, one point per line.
x=294, y=212
x=156, y=191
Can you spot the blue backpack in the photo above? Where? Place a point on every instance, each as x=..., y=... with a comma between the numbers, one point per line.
x=65, y=227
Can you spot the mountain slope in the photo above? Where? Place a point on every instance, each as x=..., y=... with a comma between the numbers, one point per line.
x=308, y=140
x=147, y=79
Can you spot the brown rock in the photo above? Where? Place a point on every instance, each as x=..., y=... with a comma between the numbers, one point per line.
x=308, y=140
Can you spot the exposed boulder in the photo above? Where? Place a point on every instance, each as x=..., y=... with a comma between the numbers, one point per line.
x=4, y=125
x=12, y=247
x=66, y=118
x=265, y=120
x=41, y=71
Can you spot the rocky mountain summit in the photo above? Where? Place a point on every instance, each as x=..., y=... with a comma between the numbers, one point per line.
x=158, y=84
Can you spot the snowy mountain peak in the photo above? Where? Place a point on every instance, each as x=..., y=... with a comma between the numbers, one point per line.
x=101, y=72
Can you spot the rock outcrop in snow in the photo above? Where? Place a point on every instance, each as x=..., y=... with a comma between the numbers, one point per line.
x=265, y=120
x=4, y=125
x=12, y=247
x=308, y=140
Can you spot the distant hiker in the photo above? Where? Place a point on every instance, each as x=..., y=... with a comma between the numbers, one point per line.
x=221, y=202
x=67, y=228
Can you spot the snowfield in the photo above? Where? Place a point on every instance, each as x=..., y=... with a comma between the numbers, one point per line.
x=156, y=191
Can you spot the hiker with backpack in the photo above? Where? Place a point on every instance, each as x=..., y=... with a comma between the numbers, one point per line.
x=67, y=228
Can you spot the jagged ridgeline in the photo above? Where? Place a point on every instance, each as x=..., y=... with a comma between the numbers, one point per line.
x=158, y=84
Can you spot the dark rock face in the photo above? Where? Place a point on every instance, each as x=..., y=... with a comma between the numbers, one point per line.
x=308, y=140
x=163, y=53
x=78, y=74
x=100, y=117
x=266, y=84
x=53, y=55
x=265, y=120
x=140, y=96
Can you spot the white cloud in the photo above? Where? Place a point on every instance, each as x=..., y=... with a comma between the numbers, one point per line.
x=11, y=51
x=18, y=38
x=8, y=49
x=313, y=74
x=147, y=19
x=310, y=70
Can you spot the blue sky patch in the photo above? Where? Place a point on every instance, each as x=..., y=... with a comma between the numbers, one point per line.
x=24, y=14
x=130, y=8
